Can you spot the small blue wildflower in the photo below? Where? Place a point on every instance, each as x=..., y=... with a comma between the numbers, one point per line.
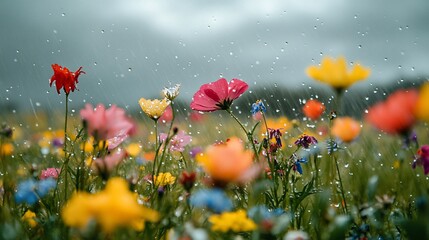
x=297, y=167
x=45, y=186
x=258, y=106
x=332, y=146
x=25, y=192
x=214, y=199
x=30, y=190
x=261, y=212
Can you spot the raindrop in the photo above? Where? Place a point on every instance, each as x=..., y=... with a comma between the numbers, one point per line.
x=130, y=69
x=63, y=14
x=359, y=46
x=102, y=31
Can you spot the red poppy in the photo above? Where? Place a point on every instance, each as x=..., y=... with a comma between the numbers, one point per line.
x=64, y=79
x=218, y=95
x=396, y=114
x=313, y=109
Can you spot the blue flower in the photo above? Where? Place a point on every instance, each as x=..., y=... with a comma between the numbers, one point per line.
x=29, y=191
x=297, y=167
x=25, y=192
x=258, y=106
x=214, y=199
x=45, y=186
x=261, y=212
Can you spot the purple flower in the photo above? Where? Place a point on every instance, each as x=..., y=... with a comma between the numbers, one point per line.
x=422, y=158
x=195, y=151
x=276, y=134
x=305, y=141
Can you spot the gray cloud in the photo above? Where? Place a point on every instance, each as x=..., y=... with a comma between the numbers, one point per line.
x=131, y=49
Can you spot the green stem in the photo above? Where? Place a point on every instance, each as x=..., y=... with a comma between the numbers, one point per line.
x=65, y=167
x=167, y=139
x=341, y=186
x=248, y=134
x=156, y=153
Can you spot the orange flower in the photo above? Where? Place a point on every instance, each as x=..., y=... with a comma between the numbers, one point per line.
x=345, y=128
x=396, y=114
x=226, y=162
x=313, y=109
x=422, y=107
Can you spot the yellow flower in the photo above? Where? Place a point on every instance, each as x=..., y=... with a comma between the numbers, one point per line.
x=6, y=149
x=396, y=164
x=133, y=149
x=29, y=217
x=164, y=179
x=335, y=73
x=113, y=207
x=232, y=221
x=154, y=108
x=226, y=162
x=422, y=106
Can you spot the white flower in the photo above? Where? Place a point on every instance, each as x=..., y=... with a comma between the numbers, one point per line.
x=296, y=235
x=171, y=92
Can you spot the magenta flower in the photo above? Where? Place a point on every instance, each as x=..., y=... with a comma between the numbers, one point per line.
x=50, y=173
x=422, y=158
x=107, y=124
x=178, y=142
x=218, y=95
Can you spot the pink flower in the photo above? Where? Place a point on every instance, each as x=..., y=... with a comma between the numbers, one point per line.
x=178, y=142
x=107, y=124
x=50, y=173
x=218, y=95
x=105, y=165
x=167, y=116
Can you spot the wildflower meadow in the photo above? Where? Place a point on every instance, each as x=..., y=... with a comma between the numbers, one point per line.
x=172, y=173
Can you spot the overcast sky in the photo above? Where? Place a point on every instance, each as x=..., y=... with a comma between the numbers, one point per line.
x=132, y=48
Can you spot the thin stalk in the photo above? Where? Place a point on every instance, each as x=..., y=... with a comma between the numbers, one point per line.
x=248, y=134
x=167, y=139
x=65, y=166
x=341, y=187
x=156, y=152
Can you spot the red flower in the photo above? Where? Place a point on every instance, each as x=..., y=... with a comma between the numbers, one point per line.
x=218, y=95
x=64, y=79
x=396, y=114
x=313, y=109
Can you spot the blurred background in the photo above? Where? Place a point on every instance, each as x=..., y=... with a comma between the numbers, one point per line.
x=131, y=49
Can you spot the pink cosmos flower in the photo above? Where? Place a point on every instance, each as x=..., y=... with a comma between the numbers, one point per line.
x=178, y=142
x=218, y=95
x=50, y=173
x=105, y=165
x=108, y=124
